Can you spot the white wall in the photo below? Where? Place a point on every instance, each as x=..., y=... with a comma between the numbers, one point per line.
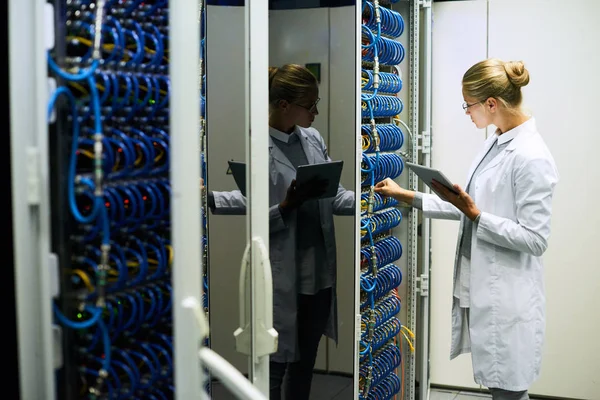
x=459, y=41
x=558, y=42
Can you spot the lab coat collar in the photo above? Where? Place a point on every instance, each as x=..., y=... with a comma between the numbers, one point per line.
x=515, y=136
x=275, y=152
x=282, y=136
x=509, y=135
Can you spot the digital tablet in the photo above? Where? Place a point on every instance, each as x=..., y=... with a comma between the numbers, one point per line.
x=238, y=170
x=428, y=175
x=329, y=172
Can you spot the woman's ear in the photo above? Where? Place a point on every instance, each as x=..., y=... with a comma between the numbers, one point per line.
x=283, y=105
x=491, y=104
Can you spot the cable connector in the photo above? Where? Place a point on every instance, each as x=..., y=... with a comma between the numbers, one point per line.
x=101, y=276
x=371, y=201
x=377, y=12
x=371, y=324
x=376, y=77
x=98, y=175
x=374, y=261
x=95, y=391
x=96, y=53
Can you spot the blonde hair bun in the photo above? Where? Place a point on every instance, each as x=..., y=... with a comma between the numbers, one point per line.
x=517, y=73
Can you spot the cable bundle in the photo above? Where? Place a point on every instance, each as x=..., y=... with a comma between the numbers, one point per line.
x=388, y=278
x=382, y=106
x=388, y=82
x=388, y=51
x=116, y=291
x=381, y=222
x=390, y=137
x=383, y=310
x=382, y=166
x=379, y=353
x=387, y=250
x=379, y=202
x=392, y=23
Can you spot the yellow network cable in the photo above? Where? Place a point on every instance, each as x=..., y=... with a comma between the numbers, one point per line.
x=412, y=348
x=366, y=142
x=140, y=157
x=170, y=248
x=158, y=157
x=86, y=153
x=84, y=277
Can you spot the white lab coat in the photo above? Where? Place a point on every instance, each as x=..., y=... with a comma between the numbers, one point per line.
x=282, y=238
x=507, y=302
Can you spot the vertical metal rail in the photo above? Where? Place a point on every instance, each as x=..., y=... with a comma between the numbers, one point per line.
x=426, y=249
x=412, y=183
x=185, y=197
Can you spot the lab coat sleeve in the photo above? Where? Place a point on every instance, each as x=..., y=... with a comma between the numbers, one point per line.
x=277, y=221
x=534, y=187
x=434, y=207
x=234, y=203
x=229, y=203
x=344, y=202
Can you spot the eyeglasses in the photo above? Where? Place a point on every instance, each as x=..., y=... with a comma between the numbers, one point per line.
x=313, y=107
x=466, y=106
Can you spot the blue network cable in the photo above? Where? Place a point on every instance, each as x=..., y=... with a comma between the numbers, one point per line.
x=117, y=94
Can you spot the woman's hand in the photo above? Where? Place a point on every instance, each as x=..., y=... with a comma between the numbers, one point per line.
x=460, y=199
x=389, y=188
x=292, y=199
x=296, y=195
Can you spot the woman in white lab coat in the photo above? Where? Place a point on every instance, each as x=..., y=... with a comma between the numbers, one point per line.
x=498, y=311
x=302, y=237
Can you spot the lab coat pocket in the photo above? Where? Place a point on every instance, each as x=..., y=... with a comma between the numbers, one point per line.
x=517, y=296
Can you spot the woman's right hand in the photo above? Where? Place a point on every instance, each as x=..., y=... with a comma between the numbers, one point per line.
x=296, y=195
x=389, y=188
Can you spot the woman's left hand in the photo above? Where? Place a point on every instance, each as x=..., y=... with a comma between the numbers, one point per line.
x=460, y=199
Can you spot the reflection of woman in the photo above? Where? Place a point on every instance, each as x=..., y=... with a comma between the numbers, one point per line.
x=498, y=304
x=302, y=239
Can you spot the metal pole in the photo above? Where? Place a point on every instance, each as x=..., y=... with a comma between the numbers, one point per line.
x=185, y=193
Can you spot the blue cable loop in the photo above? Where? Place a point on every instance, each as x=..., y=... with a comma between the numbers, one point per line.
x=391, y=137
x=392, y=23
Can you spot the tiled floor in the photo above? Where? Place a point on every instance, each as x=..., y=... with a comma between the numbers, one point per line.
x=333, y=387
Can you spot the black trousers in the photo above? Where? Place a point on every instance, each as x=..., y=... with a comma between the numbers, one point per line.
x=313, y=314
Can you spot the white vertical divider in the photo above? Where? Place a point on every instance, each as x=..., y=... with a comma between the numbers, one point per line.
x=30, y=198
x=357, y=190
x=426, y=247
x=185, y=194
x=257, y=147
